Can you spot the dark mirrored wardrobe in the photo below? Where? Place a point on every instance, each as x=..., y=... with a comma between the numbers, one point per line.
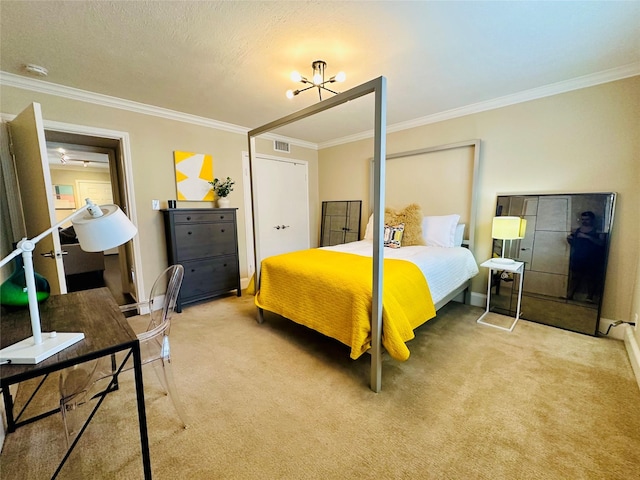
x=565, y=251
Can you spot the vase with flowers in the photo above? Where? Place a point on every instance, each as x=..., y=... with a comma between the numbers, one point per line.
x=222, y=189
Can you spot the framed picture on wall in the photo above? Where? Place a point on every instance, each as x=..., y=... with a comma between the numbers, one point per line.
x=194, y=171
x=63, y=197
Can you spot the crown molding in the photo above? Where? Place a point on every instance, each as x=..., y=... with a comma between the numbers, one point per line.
x=40, y=86
x=71, y=93
x=611, y=75
x=585, y=81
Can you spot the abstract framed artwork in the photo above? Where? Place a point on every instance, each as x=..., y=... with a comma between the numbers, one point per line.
x=194, y=171
x=63, y=197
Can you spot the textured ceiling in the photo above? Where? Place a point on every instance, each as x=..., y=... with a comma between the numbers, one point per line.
x=230, y=61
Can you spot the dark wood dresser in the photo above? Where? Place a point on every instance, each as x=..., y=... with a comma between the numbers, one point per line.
x=205, y=242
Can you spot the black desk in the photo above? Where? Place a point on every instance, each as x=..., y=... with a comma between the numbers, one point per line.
x=97, y=315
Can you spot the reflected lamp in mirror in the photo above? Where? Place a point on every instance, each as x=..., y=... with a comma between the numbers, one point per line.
x=98, y=228
x=507, y=228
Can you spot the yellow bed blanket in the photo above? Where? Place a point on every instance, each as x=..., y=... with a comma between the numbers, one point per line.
x=330, y=292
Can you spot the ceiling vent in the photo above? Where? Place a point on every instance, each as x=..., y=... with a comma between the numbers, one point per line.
x=279, y=146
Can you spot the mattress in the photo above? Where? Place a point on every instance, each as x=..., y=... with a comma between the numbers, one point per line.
x=444, y=268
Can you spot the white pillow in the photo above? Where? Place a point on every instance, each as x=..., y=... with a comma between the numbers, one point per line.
x=368, y=232
x=440, y=231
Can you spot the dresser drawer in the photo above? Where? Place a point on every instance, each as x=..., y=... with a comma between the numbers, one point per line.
x=204, y=240
x=207, y=277
x=203, y=216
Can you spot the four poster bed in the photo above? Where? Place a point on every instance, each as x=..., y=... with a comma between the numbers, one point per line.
x=364, y=294
x=328, y=289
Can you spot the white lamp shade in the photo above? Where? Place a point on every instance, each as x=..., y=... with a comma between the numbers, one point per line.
x=508, y=228
x=97, y=234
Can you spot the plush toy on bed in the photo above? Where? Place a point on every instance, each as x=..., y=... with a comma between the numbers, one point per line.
x=411, y=217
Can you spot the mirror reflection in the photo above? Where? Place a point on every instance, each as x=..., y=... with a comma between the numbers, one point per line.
x=564, y=249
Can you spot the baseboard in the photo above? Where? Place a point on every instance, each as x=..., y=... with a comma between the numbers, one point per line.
x=478, y=299
x=633, y=349
x=616, y=332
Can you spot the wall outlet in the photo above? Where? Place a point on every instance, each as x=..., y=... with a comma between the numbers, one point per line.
x=155, y=204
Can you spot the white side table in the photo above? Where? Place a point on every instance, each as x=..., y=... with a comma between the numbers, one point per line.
x=515, y=267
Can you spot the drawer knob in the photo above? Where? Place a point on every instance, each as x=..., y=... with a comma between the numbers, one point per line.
x=189, y=233
x=188, y=218
x=193, y=270
x=222, y=230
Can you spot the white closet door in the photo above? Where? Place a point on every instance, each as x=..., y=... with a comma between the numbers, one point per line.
x=283, y=199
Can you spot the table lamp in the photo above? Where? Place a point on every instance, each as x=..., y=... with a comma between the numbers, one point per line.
x=507, y=228
x=100, y=228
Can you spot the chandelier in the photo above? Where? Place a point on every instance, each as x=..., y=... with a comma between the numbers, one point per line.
x=317, y=80
x=65, y=158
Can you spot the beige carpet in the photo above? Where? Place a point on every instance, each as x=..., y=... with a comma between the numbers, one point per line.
x=276, y=401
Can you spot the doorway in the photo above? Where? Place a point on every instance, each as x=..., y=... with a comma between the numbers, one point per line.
x=88, y=167
x=30, y=198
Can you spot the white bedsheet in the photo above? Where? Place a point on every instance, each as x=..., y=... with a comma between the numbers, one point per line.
x=444, y=268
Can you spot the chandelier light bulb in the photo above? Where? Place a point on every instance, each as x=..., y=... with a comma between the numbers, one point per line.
x=295, y=76
x=290, y=94
x=341, y=77
x=317, y=78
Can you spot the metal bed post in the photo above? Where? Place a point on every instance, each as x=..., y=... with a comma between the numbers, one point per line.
x=378, y=86
x=379, y=161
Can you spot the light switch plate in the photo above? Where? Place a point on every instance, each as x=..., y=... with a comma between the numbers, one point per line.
x=155, y=204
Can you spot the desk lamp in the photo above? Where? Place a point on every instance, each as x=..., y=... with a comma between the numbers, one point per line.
x=507, y=228
x=100, y=228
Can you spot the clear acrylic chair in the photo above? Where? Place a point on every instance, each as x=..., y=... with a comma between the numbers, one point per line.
x=82, y=385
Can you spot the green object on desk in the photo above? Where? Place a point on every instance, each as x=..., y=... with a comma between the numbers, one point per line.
x=13, y=291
